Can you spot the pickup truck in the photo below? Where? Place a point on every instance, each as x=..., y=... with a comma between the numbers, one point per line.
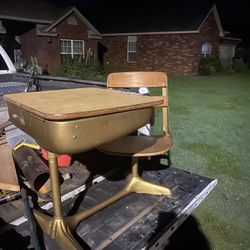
x=6, y=65
x=134, y=222
x=7, y=85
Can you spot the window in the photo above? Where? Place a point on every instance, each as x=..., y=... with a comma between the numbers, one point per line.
x=206, y=49
x=131, y=55
x=72, y=20
x=71, y=49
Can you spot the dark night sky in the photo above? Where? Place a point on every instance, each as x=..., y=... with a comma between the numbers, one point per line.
x=234, y=14
x=235, y=17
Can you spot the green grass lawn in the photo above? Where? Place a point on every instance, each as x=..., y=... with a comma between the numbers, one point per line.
x=210, y=124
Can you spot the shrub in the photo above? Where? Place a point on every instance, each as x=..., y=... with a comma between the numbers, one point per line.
x=239, y=65
x=209, y=65
x=84, y=69
x=227, y=66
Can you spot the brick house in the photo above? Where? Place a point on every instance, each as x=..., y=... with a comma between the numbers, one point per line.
x=47, y=32
x=162, y=48
x=50, y=32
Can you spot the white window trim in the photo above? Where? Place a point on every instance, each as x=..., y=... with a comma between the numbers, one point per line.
x=131, y=39
x=72, y=50
x=207, y=50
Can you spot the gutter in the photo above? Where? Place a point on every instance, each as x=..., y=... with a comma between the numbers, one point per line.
x=25, y=19
x=152, y=33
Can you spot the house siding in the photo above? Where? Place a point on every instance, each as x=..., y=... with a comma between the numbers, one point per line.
x=177, y=54
x=47, y=49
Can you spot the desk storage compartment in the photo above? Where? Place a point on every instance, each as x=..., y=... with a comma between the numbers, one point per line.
x=78, y=135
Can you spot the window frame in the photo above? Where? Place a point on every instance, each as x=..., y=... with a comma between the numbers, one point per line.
x=206, y=49
x=72, y=53
x=131, y=40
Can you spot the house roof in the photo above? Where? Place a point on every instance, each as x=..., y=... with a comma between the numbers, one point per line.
x=44, y=14
x=91, y=28
x=231, y=40
x=159, y=16
x=37, y=11
x=112, y=17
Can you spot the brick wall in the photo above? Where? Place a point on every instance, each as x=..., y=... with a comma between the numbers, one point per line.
x=171, y=53
x=47, y=49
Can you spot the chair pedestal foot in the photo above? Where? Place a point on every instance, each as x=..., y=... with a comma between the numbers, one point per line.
x=137, y=185
x=58, y=229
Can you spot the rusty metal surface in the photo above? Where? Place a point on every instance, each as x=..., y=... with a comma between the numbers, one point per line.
x=33, y=168
x=8, y=175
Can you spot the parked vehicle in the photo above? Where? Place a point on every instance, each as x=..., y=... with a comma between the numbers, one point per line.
x=6, y=65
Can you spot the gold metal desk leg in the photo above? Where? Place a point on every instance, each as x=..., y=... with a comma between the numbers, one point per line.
x=135, y=184
x=59, y=227
x=138, y=185
x=56, y=226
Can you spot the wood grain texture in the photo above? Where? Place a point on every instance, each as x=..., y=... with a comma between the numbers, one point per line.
x=138, y=146
x=79, y=103
x=136, y=79
x=8, y=176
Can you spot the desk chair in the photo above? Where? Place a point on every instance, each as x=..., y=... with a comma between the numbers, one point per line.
x=141, y=146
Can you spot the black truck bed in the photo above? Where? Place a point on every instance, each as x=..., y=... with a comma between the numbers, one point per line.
x=137, y=221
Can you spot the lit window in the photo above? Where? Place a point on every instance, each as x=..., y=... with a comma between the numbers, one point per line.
x=72, y=48
x=131, y=48
x=206, y=49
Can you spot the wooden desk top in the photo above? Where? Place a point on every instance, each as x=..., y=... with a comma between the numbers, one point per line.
x=79, y=103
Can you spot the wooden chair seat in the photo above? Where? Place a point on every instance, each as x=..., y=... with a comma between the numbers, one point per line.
x=138, y=146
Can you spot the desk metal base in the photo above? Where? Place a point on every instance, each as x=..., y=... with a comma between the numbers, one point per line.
x=116, y=226
x=60, y=227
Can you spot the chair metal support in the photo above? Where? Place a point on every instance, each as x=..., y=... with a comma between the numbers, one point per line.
x=60, y=227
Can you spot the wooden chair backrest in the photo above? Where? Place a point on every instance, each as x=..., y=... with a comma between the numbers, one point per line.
x=142, y=79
